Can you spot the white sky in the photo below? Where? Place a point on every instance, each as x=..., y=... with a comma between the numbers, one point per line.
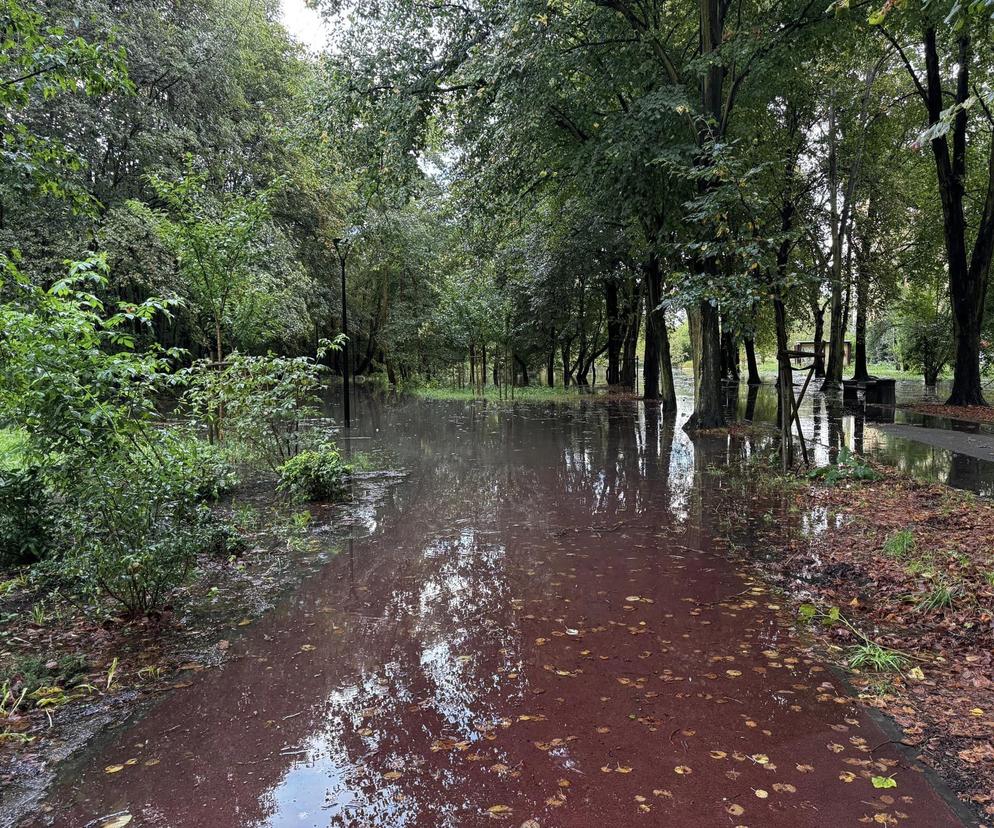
x=304, y=24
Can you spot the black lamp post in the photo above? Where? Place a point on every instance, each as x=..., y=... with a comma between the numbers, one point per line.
x=342, y=249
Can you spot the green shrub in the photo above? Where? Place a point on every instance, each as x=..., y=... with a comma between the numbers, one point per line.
x=205, y=464
x=132, y=531
x=257, y=405
x=314, y=475
x=26, y=516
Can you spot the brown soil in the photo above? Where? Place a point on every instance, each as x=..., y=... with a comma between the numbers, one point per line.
x=973, y=413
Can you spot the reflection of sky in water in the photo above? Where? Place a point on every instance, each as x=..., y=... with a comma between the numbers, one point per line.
x=437, y=667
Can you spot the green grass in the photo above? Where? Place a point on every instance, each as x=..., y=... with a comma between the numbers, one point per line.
x=941, y=596
x=768, y=368
x=900, y=544
x=528, y=393
x=871, y=656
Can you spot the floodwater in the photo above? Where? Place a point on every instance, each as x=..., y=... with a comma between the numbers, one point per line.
x=541, y=626
x=957, y=453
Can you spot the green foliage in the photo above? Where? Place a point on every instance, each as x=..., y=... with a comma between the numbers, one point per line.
x=317, y=474
x=115, y=508
x=259, y=406
x=941, y=596
x=40, y=62
x=27, y=516
x=849, y=466
x=32, y=678
x=217, y=241
x=133, y=530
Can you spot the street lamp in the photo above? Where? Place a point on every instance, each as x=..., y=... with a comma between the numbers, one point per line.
x=342, y=248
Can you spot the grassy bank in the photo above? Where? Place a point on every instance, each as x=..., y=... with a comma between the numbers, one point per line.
x=768, y=369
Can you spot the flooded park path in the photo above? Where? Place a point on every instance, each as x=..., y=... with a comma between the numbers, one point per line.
x=541, y=627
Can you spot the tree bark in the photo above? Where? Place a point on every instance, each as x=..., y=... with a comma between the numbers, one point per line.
x=750, y=349
x=968, y=272
x=708, y=411
x=614, y=333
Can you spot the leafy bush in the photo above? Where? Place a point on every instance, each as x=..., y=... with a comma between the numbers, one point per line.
x=849, y=466
x=133, y=530
x=26, y=516
x=130, y=521
x=259, y=404
x=206, y=465
x=314, y=475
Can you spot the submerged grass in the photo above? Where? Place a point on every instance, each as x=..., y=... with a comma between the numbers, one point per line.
x=527, y=393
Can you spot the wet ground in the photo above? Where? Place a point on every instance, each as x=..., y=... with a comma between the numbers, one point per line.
x=541, y=627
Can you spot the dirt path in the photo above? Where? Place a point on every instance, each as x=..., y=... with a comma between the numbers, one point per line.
x=542, y=631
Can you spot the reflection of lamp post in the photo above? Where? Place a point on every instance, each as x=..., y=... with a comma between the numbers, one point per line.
x=342, y=249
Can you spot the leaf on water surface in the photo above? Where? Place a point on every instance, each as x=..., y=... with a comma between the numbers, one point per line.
x=847, y=776
x=392, y=775
x=735, y=810
x=883, y=782
x=244, y=622
x=761, y=793
x=118, y=821
x=805, y=768
x=499, y=809
x=683, y=770
x=307, y=647
x=114, y=769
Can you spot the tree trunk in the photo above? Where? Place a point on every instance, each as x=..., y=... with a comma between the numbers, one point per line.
x=968, y=273
x=567, y=371
x=650, y=355
x=818, y=313
x=667, y=390
x=550, y=368
x=523, y=370
x=708, y=411
x=628, y=357
x=750, y=349
x=614, y=333
x=861, y=371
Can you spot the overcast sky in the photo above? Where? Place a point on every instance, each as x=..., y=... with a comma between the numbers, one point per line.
x=304, y=24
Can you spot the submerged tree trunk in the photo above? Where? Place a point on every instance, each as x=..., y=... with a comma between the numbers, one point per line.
x=630, y=350
x=708, y=410
x=861, y=370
